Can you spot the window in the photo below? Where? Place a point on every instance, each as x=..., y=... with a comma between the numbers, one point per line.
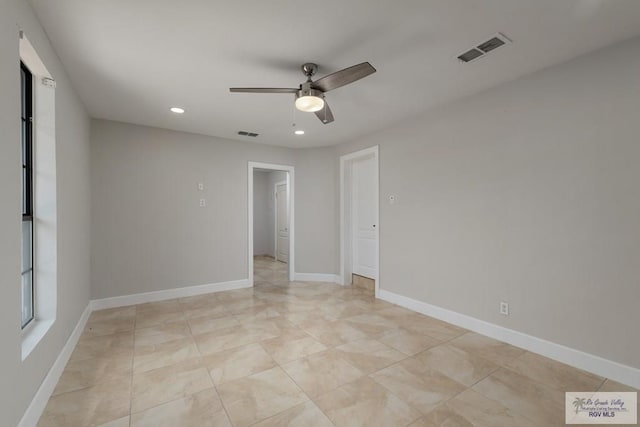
x=27, y=194
x=39, y=283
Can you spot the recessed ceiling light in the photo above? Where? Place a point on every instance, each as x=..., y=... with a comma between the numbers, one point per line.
x=299, y=132
x=177, y=110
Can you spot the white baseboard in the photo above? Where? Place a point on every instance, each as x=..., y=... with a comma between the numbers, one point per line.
x=121, y=301
x=588, y=362
x=39, y=401
x=317, y=277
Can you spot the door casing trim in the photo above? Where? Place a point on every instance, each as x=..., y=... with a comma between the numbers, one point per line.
x=251, y=166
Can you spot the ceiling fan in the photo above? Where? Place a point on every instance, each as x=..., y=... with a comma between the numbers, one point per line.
x=310, y=94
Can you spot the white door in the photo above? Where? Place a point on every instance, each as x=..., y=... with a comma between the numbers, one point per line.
x=282, y=223
x=364, y=216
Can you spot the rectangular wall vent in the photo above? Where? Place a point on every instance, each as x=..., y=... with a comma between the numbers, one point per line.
x=245, y=133
x=483, y=48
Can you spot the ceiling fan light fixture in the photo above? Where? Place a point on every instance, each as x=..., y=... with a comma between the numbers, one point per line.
x=309, y=103
x=310, y=95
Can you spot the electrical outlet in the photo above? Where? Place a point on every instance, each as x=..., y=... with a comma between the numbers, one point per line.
x=203, y=203
x=504, y=308
x=200, y=186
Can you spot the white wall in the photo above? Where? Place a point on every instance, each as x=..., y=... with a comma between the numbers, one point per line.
x=149, y=233
x=529, y=193
x=20, y=380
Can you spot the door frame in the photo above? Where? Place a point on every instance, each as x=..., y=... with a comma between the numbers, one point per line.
x=346, y=162
x=275, y=214
x=251, y=166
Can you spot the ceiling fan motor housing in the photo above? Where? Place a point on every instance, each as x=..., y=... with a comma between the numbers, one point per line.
x=307, y=90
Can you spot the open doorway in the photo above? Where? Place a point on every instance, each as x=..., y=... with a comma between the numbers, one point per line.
x=359, y=220
x=270, y=222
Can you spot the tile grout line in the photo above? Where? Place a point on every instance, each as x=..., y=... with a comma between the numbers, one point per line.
x=245, y=345
x=539, y=382
x=215, y=387
x=162, y=367
x=309, y=398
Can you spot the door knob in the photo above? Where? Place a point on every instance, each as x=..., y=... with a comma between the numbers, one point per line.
x=374, y=226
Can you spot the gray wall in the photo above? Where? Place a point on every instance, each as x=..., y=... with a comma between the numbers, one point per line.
x=317, y=224
x=264, y=210
x=273, y=178
x=262, y=228
x=149, y=233
x=528, y=193
x=20, y=380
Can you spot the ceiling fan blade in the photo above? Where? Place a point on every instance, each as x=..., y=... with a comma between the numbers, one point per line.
x=343, y=77
x=325, y=115
x=264, y=89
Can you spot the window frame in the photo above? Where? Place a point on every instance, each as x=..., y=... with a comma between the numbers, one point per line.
x=26, y=115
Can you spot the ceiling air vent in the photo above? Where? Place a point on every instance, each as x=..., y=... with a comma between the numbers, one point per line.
x=489, y=45
x=245, y=133
x=470, y=55
x=494, y=42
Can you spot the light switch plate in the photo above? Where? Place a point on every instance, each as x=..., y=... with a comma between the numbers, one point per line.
x=504, y=308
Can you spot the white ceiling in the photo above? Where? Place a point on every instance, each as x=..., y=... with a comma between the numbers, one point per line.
x=131, y=60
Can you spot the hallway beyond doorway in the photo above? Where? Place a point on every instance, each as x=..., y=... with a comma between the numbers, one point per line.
x=267, y=269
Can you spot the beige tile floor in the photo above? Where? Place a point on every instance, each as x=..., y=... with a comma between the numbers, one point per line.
x=363, y=283
x=301, y=354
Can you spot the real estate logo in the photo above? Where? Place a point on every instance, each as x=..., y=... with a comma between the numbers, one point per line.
x=601, y=408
